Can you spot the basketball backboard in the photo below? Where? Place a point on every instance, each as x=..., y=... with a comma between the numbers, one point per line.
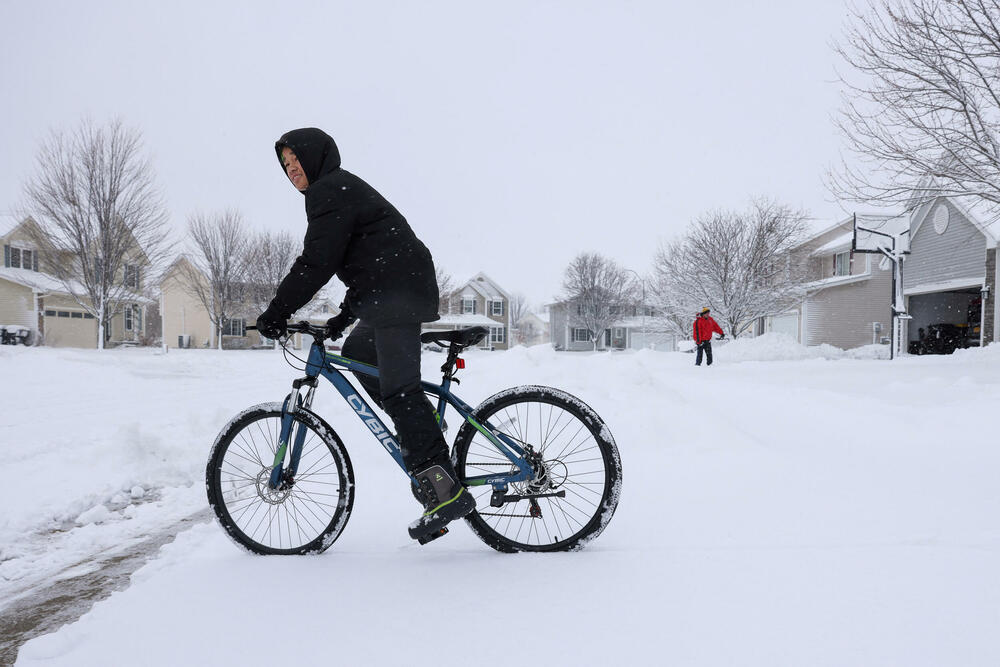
x=881, y=234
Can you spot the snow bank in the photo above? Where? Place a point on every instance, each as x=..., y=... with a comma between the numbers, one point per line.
x=782, y=347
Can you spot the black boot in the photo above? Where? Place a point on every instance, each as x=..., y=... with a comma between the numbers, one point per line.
x=444, y=498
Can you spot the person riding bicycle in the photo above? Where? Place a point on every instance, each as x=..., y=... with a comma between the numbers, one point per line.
x=704, y=327
x=355, y=234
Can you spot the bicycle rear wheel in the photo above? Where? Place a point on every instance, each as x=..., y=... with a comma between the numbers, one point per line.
x=305, y=518
x=576, y=454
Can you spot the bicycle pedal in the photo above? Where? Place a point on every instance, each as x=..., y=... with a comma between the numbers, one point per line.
x=432, y=536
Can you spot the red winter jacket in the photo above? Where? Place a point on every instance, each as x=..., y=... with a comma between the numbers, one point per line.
x=704, y=327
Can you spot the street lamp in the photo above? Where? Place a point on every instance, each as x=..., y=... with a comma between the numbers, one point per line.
x=642, y=281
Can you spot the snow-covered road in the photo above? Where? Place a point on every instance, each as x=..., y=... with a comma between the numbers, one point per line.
x=807, y=512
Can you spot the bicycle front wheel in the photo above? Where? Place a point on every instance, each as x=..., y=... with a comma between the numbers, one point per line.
x=306, y=517
x=577, y=470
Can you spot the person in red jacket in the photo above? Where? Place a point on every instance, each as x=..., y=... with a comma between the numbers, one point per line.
x=704, y=327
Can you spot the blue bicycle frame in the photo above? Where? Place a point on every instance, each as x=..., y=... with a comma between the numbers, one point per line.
x=324, y=363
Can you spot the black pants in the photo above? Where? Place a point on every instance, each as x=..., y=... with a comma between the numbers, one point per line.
x=395, y=350
x=705, y=347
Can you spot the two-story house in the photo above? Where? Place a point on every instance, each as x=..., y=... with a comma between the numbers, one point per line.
x=32, y=298
x=480, y=301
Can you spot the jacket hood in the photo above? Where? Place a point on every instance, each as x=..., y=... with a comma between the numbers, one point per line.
x=315, y=149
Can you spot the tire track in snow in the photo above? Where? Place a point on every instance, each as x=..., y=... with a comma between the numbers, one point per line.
x=70, y=594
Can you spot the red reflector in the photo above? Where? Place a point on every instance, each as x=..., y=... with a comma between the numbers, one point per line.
x=460, y=363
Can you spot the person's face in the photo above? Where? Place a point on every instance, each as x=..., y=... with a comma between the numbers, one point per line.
x=294, y=170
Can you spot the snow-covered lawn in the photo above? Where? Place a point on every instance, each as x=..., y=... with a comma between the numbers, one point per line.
x=798, y=512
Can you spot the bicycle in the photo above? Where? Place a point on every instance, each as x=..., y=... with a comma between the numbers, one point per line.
x=542, y=465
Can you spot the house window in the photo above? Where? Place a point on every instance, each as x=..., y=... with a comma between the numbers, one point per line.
x=496, y=334
x=63, y=313
x=496, y=308
x=75, y=315
x=138, y=318
x=50, y=313
x=88, y=316
x=581, y=336
x=128, y=318
x=132, y=276
x=842, y=264
x=468, y=305
x=15, y=258
x=234, y=327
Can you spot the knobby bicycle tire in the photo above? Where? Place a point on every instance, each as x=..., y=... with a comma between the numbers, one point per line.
x=580, y=457
x=308, y=517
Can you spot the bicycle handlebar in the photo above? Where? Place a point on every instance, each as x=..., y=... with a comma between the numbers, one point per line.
x=319, y=332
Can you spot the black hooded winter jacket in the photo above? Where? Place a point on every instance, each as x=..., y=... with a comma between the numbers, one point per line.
x=356, y=234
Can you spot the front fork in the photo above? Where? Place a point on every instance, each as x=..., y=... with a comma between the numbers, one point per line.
x=291, y=431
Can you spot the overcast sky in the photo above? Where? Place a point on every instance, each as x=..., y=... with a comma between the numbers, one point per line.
x=512, y=135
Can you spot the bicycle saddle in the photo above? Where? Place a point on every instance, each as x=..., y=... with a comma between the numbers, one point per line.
x=462, y=337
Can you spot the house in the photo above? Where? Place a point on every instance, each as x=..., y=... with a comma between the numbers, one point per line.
x=949, y=281
x=480, y=301
x=186, y=321
x=31, y=297
x=532, y=329
x=635, y=327
x=848, y=294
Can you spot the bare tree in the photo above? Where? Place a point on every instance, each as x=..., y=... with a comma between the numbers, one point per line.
x=100, y=219
x=518, y=308
x=446, y=289
x=269, y=256
x=921, y=109
x=217, y=274
x=598, y=292
x=739, y=264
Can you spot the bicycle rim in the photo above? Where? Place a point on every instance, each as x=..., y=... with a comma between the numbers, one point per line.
x=304, y=518
x=580, y=460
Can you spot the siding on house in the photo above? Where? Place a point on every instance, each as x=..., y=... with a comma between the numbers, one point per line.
x=843, y=314
x=17, y=305
x=182, y=313
x=956, y=256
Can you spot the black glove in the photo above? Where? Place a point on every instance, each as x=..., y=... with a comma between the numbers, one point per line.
x=721, y=336
x=271, y=324
x=336, y=325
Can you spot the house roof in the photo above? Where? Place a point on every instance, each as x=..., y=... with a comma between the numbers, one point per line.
x=39, y=282
x=486, y=286
x=838, y=244
x=47, y=284
x=898, y=223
